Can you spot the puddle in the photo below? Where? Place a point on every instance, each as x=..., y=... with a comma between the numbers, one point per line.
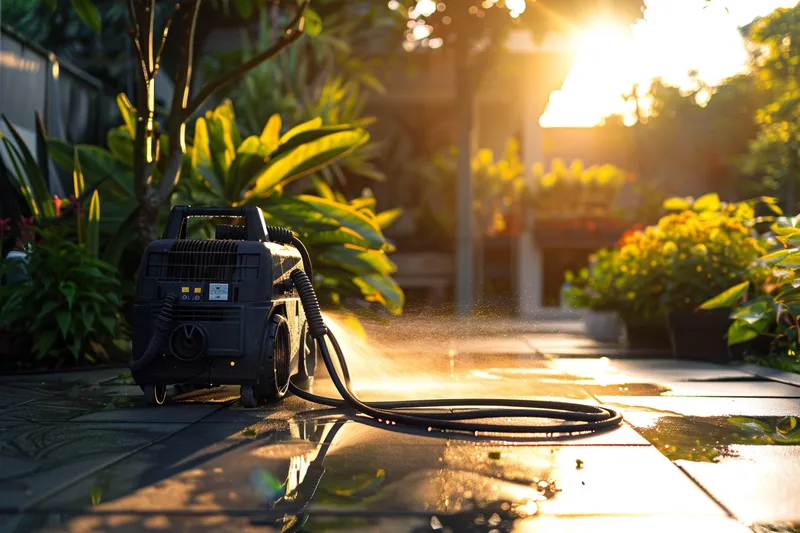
x=627, y=389
x=707, y=439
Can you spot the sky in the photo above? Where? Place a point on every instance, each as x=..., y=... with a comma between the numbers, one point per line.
x=673, y=38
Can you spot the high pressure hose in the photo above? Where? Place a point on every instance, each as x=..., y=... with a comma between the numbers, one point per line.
x=455, y=414
x=161, y=330
x=286, y=236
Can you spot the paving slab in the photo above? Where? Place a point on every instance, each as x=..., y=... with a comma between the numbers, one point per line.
x=756, y=483
x=633, y=406
x=39, y=460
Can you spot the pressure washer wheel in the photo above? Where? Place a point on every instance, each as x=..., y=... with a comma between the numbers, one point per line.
x=155, y=394
x=275, y=370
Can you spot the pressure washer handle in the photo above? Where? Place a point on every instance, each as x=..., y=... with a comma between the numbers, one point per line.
x=254, y=220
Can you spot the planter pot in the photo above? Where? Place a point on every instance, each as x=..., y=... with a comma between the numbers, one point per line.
x=602, y=326
x=760, y=346
x=647, y=337
x=700, y=335
x=16, y=349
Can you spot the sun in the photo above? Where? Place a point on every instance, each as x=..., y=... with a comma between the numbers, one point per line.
x=601, y=64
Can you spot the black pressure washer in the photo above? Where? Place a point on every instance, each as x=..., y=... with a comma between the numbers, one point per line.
x=240, y=309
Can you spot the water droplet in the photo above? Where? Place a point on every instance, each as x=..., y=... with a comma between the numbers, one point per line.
x=435, y=523
x=495, y=520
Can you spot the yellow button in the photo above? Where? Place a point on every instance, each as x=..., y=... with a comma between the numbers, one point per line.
x=198, y=290
x=184, y=289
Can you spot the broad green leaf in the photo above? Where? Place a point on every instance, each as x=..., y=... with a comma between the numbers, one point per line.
x=752, y=425
x=365, y=203
x=786, y=424
x=775, y=257
x=120, y=144
x=98, y=166
x=88, y=13
x=740, y=332
x=752, y=311
x=323, y=189
x=785, y=230
x=677, y=204
x=47, y=307
x=347, y=217
x=708, y=202
x=306, y=159
x=128, y=113
x=251, y=159
x=790, y=240
x=791, y=260
x=312, y=124
x=63, y=318
x=387, y=218
x=728, y=297
x=387, y=292
x=271, y=135
x=301, y=137
x=42, y=155
x=68, y=289
x=312, y=23
x=44, y=341
x=358, y=261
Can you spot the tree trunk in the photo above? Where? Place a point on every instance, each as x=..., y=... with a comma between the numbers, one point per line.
x=465, y=98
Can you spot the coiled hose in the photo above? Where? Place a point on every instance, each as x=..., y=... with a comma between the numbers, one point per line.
x=455, y=414
x=160, y=331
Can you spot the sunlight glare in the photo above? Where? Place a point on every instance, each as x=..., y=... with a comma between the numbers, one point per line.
x=673, y=38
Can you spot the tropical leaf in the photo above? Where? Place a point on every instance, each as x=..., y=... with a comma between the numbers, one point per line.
x=347, y=217
x=728, y=297
x=358, y=260
x=387, y=218
x=306, y=159
x=384, y=291
x=88, y=13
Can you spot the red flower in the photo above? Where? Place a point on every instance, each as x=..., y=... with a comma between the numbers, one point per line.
x=57, y=202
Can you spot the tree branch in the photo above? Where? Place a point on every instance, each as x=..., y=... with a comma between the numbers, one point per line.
x=136, y=44
x=164, y=34
x=176, y=122
x=291, y=33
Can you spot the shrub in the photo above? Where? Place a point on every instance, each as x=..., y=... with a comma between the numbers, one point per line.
x=70, y=305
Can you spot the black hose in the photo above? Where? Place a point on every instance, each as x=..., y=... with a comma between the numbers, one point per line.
x=161, y=328
x=286, y=236
x=456, y=414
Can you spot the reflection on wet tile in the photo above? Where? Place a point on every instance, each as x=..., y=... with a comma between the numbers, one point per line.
x=10, y=396
x=38, y=459
x=757, y=484
x=132, y=523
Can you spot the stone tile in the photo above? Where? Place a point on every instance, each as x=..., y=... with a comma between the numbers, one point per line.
x=757, y=483
x=11, y=396
x=169, y=414
x=744, y=389
x=676, y=405
x=90, y=375
x=669, y=523
x=210, y=467
x=42, y=459
x=789, y=378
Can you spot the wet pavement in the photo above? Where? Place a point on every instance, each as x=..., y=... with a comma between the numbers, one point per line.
x=704, y=447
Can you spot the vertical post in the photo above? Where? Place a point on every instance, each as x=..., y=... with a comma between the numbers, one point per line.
x=465, y=121
x=530, y=268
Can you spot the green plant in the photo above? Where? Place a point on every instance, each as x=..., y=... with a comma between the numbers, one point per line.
x=70, y=305
x=596, y=287
x=772, y=307
x=345, y=239
x=678, y=263
x=30, y=178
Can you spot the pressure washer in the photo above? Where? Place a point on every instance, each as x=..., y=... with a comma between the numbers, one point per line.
x=240, y=309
